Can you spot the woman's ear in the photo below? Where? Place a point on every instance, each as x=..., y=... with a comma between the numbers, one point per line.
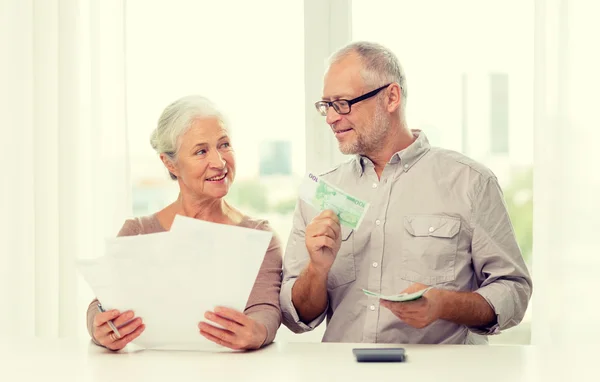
x=169, y=164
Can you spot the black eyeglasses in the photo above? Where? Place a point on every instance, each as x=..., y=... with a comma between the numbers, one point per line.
x=343, y=106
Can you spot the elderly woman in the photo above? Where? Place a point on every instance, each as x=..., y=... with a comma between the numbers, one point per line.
x=194, y=145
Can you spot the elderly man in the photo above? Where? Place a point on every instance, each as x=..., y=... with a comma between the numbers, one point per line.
x=437, y=218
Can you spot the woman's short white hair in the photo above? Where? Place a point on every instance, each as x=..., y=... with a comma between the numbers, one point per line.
x=380, y=65
x=175, y=121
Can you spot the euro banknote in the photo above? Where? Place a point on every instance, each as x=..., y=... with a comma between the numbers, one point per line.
x=402, y=297
x=322, y=195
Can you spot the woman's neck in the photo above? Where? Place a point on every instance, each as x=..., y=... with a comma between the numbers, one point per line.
x=209, y=209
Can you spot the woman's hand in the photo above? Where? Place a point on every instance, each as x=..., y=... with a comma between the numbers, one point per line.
x=128, y=329
x=240, y=331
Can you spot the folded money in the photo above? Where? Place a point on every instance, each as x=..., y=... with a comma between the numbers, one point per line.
x=322, y=195
x=402, y=297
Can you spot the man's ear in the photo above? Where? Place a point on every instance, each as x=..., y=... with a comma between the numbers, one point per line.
x=394, y=97
x=169, y=164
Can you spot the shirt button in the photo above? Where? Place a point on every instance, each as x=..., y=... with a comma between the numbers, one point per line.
x=431, y=229
x=405, y=166
x=374, y=185
x=377, y=222
x=372, y=307
x=375, y=265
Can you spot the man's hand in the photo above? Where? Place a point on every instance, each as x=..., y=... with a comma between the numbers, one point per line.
x=419, y=313
x=323, y=240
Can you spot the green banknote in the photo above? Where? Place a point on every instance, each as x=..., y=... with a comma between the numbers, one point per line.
x=324, y=196
x=402, y=297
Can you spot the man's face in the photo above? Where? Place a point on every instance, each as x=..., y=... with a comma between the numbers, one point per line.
x=363, y=130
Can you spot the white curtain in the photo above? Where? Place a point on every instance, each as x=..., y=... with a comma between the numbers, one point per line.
x=65, y=179
x=566, y=259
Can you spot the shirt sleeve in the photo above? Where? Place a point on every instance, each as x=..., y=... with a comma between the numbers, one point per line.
x=503, y=279
x=295, y=260
x=263, y=303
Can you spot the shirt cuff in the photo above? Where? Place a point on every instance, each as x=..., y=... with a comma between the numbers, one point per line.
x=290, y=315
x=269, y=317
x=496, y=296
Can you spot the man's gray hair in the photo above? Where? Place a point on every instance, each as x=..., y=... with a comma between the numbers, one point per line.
x=380, y=65
x=175, y=121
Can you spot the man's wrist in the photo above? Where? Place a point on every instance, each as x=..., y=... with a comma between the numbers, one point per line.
x=443, y=300
x=317, y=272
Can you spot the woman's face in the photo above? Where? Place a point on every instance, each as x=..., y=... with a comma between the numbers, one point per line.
x=205, y=163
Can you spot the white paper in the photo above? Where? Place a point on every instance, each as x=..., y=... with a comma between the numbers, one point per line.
x=170, y=279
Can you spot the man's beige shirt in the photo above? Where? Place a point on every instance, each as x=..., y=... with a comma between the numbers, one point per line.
x=436, y=217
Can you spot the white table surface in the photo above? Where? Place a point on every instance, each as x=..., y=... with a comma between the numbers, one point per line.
x=70, y=360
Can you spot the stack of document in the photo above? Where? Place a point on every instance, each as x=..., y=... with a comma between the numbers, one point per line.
x=170, y=279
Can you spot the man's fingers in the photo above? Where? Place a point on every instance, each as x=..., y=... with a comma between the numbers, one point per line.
x=326, y=214
x=323, y=241
x=320, y=227
x=415, y=288
x=387, y=305
x=335, y=225
x=407, y=313
x=332, y=221
x=324, y=230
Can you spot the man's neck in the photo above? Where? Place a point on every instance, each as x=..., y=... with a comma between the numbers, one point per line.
x=399, y=138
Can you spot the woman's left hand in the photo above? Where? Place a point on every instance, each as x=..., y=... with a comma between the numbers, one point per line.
x=240, y=331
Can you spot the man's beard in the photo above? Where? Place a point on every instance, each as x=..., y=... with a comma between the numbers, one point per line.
x=369, y=142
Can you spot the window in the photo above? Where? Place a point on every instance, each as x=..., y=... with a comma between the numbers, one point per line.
x=250, y=63
x=470, y=88
x=499, y=99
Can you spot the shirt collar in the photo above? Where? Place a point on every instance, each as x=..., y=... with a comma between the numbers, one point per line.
x=407, y=157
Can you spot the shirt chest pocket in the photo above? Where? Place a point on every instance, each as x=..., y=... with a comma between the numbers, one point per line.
x=429, y=245
x=343, y=270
